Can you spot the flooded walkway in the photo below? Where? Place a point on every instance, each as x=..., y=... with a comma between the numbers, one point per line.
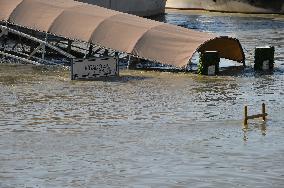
x=147, y=129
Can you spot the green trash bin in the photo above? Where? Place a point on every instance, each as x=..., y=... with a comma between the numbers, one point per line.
x=264, y=58
x=209, y=63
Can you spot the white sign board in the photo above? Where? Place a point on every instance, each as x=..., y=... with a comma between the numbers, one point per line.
x=211, y=70
x=265, y=65
x=94, y=68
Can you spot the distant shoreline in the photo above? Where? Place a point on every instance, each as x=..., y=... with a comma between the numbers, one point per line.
x=217, y=13
x=200, y=9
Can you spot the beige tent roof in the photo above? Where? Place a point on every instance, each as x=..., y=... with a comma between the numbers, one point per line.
x=122, y=32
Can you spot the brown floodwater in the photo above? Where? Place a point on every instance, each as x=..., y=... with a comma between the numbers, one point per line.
x=147, y=129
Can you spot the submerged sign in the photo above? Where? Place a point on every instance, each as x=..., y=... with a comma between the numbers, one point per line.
x=94, y=68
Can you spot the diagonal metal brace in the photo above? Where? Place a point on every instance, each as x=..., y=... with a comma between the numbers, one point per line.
x=41, y=46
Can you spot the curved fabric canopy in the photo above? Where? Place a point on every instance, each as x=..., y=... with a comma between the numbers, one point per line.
x=122, y=32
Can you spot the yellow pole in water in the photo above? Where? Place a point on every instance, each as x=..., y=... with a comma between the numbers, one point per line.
x=246, y=116
x=263, y=112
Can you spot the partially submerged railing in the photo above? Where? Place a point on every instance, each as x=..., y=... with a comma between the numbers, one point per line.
x=27, y=57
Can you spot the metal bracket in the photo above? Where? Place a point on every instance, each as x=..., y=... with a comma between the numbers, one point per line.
x=4, y=31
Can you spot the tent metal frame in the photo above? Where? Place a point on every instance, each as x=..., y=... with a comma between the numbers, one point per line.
x=23, y=55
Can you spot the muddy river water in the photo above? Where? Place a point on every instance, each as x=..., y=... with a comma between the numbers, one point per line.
x=148, y=129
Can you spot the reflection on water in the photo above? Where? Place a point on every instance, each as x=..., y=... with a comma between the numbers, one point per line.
x=146, y=129
x=261, y=126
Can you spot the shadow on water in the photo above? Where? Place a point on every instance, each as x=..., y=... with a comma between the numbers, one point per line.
x=119, y=79
x=19, y=73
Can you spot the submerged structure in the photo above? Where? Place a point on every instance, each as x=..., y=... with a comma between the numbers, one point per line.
x=137, y=7
x=239, y=6
x=59, y=21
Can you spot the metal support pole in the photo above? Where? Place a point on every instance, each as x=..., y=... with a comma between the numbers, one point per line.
x=43, y=47
x=90, y=50
x=4, y=33
x=69, y=45
x=87, y=50
x=32, y=43
x=5, y=38
x=134, y=61
x=117, y=62
x=105, y=54
x=244, y=64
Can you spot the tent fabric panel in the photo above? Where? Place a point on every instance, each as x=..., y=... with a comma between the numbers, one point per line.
x=185, y=32
x=229, y=48
x=121, y=32
x=7, y=7
x=79, y=22
x=93, y=10
x=38, y=14
x=35, y=15
x=164, y=44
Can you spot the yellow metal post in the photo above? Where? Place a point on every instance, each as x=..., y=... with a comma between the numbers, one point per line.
x=246, y=116
x=263, y=112
x=262, y=115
